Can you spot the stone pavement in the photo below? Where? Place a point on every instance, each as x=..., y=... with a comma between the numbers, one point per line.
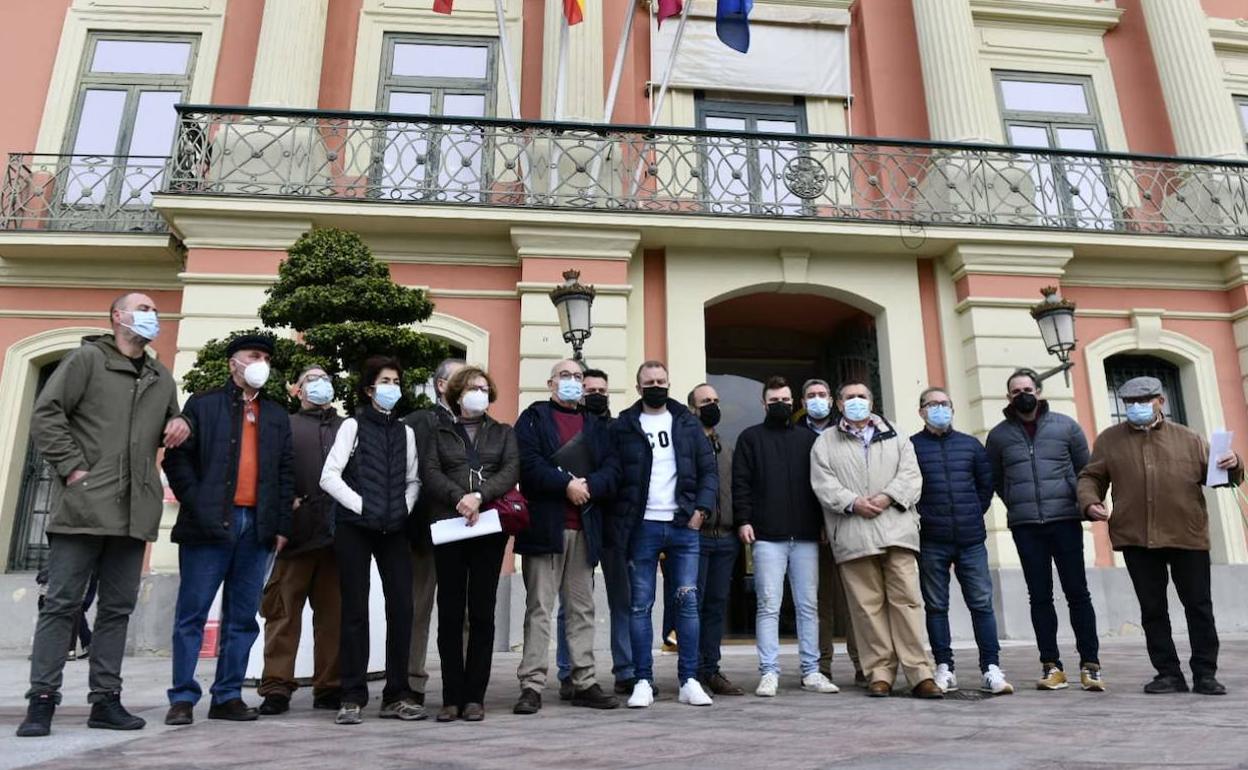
x=1068, y=729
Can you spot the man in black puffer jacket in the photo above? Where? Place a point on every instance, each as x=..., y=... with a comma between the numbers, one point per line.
x=235, y=481
x=1036, y=455
x=957, y=492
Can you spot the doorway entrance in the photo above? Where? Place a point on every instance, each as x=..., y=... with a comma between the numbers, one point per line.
x=28, y=549
x=799, y=337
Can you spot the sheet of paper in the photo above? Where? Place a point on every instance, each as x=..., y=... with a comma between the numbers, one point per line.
x=1219, y=444
x=450, y=530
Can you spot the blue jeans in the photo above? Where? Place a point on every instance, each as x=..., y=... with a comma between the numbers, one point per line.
x=800, y=559
x=971, y=564
x=1040, y=548
x=716, y=558
x=680, y=544
x=615, y=578
x=241, y=565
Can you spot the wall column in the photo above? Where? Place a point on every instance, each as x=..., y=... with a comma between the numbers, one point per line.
x=1201, y=112
x=583, y=91
x=288, y=57
x=960, y=102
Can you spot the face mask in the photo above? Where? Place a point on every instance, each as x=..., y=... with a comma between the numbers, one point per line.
x=1141, y=414
x=474, y=402
x=256, y=374
x=1024, y=403
x=857, y=409
x=387, y=395
x=569, y=390
x=709, y=415
x=597, y=403
x=319, y=392
x=818, y=407
x=779, y=412
x=145, y=324
x=940, y=416
x=654, y=396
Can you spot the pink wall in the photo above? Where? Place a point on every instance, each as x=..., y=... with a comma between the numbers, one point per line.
x=338, y=62
x=29, y=38
x=1225, y=9
x=1140, y=99
x=531, y=60
x=239, y=41
x=888, y=91
x=929, y=308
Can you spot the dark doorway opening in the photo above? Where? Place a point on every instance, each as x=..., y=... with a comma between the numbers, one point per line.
x=28, y=549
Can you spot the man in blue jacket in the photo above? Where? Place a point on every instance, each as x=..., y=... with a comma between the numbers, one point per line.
x=957, y=492
x=566, y=468
x=668, y=484
x=1036, y=455
x=235, y=482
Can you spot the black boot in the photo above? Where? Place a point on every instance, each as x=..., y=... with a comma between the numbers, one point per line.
x=109, y=714
x=38, y=716
x=1164, y=684
x=274, y=704
x=233, y=710
x=593, y=697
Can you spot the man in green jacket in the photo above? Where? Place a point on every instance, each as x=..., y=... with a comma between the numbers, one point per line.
x=99, y=421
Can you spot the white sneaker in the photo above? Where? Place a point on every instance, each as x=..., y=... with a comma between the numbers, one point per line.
x=994, y=681
x=691, y=692
x=768, y=685
x=643, y=695
x=817, y=682
x=946, y=680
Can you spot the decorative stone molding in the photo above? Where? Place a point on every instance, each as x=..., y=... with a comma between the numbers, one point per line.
x=574, y=243
x=1007, y=259
x=1092, y=15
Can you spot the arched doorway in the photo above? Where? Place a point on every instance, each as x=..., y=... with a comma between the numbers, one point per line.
x=799, y=337
x=28, y=546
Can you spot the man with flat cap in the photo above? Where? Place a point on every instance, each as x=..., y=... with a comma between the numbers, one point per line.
x=235, y=484
x=1156, y=468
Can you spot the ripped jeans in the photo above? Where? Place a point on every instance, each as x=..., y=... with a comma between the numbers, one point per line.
x=680, y=544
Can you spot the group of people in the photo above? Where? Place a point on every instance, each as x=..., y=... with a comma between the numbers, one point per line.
x=823, y=487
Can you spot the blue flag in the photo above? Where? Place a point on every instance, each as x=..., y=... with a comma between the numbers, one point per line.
x=732, y=23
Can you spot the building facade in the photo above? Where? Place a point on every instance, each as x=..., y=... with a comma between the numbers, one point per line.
x=878, y=189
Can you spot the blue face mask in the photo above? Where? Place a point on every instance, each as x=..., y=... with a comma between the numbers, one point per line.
x=857, y=409
x=940, y=416
x=387, y=395
x=569, y=390
x=145, y=324
x=319, y=392
x=1140, y=414
x=818, y=407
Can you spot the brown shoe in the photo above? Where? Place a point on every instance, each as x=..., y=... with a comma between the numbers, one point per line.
x=927, y=689
x=719, y=684
x=474, y=712
x=880, y=689
x=447, y=713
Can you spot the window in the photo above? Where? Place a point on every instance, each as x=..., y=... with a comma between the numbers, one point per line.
x=1241, y=106
x=123, y=122
x=743, y=174
x=426, y=75
x=1120, y=368
x=1058, y=112
x=28, y=549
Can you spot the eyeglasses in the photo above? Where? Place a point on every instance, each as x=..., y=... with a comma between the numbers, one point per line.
x=571, y=376
x=316, y=378
x=478, y=388
x=936, y=403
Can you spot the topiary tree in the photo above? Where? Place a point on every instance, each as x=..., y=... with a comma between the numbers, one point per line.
x=289, y=358
x=345, y=307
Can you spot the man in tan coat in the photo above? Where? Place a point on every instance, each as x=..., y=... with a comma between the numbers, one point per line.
x=867, y=479
x=1156, y=468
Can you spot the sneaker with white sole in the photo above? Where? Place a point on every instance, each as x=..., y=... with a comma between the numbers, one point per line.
x=945, y=679
x=994, y=681
x=691, y=692
x=767, y=685
x=818, y=682
x=643, y=695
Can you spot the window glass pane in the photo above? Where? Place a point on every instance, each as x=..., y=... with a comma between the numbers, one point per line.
x=405, y=159
x=777, y=126
x=1243, y=115
x=773, y=158
x=409, y=103
x=141, y=57
x=99, y=122
x=1076, y=139
x=1028, y=136
x=154, y=124
x=724, y=124
x=466, y=105
x=1085, y=179
x=440, y=61
x=1028, y=96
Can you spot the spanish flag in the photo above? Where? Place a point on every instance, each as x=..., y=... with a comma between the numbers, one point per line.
x=442, y=6
x=574, y=11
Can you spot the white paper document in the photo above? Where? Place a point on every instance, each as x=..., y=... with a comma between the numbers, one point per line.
x=450, y=530
x=1219, y=444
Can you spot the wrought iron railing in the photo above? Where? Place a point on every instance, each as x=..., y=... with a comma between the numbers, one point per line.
x=95, y=193
x=425, y=160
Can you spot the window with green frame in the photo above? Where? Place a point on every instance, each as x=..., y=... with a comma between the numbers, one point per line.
x=1241, y=107
x=742, y=173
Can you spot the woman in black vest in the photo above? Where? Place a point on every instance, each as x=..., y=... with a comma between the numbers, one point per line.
x=472, y=463
x=372, y=475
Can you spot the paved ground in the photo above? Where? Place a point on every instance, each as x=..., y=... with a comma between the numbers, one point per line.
x=1070, y=729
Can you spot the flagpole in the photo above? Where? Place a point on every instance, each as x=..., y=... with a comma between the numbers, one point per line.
x=561, y=84
x=667, y=78
x=504, y=47
x=617, y=73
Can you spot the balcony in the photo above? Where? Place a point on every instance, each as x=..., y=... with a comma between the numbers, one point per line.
x=81, y=193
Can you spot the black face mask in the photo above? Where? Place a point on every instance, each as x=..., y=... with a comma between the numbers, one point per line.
x=779, y=412
x=709, y=415
x=597, y=403
x=1024, y=403
x=654, y=396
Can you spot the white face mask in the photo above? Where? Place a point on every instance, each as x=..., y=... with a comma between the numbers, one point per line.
x=256, y=374
x=474, y=402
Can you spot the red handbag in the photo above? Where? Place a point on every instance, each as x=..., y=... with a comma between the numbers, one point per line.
x=513, y=511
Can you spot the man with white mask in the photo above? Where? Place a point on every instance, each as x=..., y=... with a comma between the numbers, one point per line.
x=234, y=480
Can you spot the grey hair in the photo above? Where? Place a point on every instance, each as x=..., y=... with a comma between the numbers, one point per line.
x=444, y=368
x=815, y=381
